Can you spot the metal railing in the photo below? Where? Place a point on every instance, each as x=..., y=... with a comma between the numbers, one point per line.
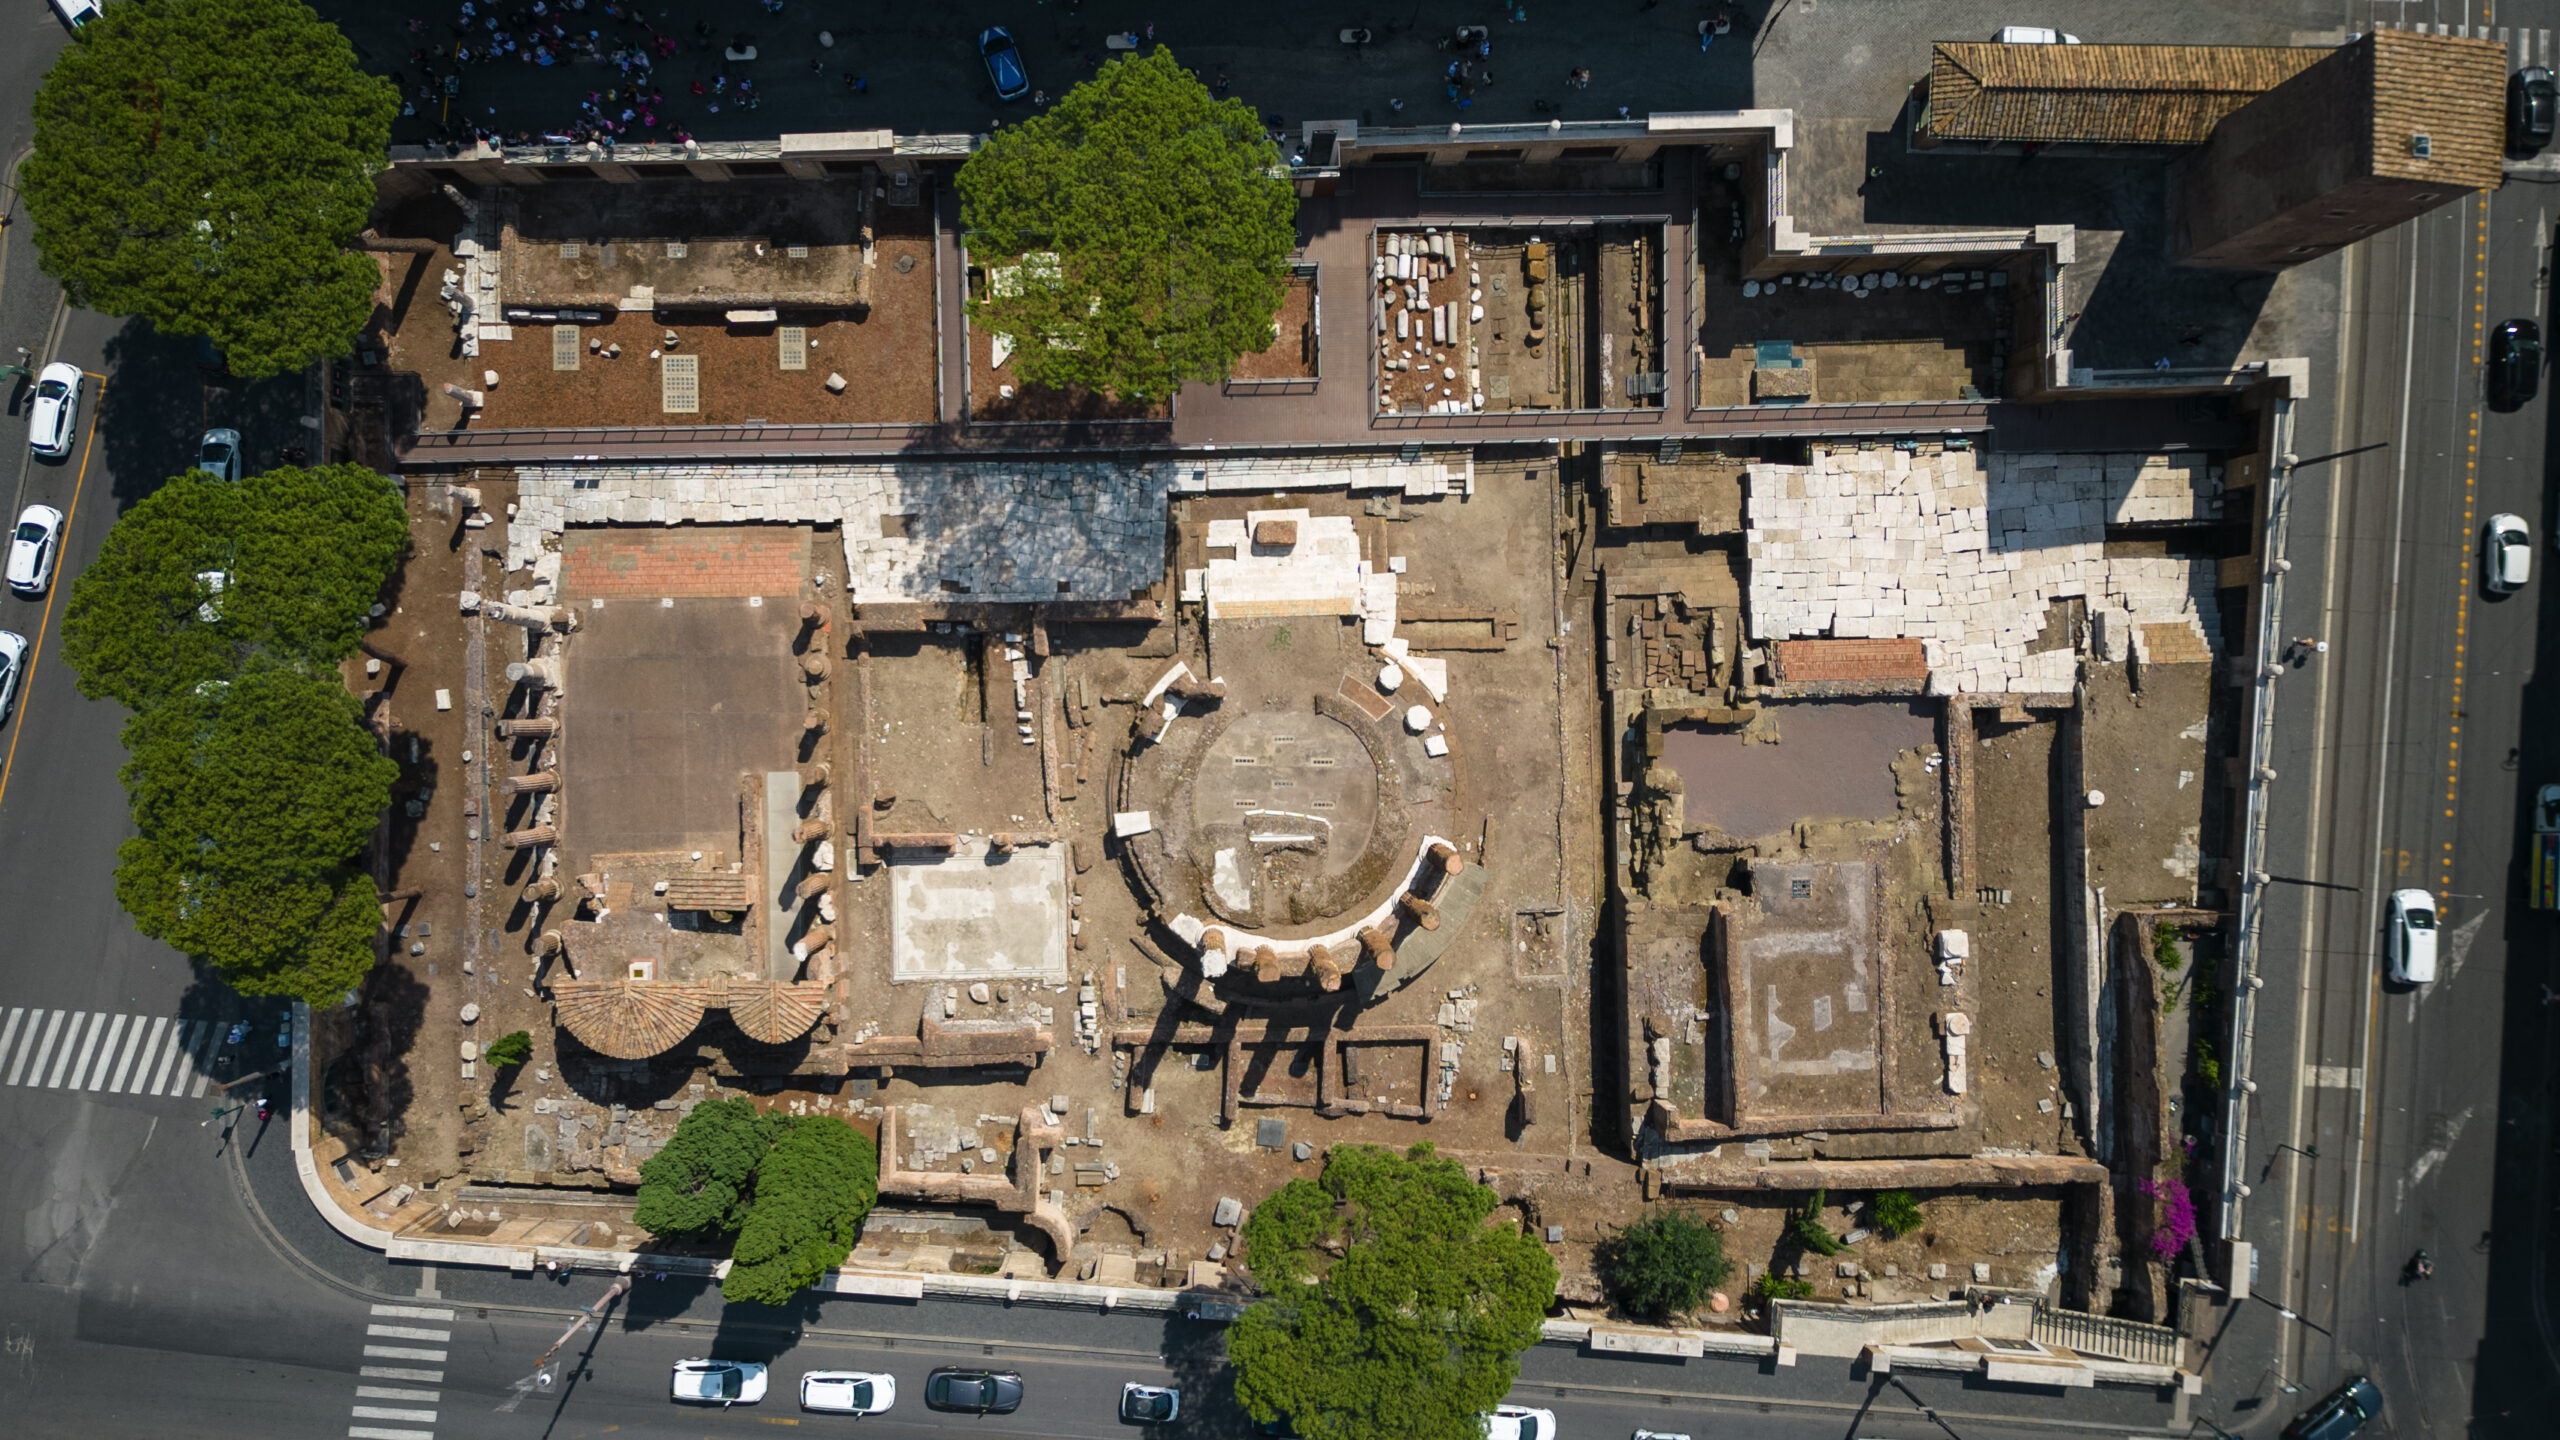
x=2106, y=1335
x=2253, y=842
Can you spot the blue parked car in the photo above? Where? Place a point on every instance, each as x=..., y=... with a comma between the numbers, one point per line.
x=1004, y=63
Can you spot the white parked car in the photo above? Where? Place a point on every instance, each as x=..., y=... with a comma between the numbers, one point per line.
x=848, y=1392
x=2409, y=937
x=719, y=1382
x=75, y=13
x=33, y=548
x=2509, y=561
x=54, y=422
x=1519, y=1422
x=13, y=669
x=2034, y=35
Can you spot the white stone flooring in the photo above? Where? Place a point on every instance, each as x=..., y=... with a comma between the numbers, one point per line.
x=1966, y=553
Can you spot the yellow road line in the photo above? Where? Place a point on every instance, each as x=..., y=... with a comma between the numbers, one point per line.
x=52, y=592
x=2470, y=506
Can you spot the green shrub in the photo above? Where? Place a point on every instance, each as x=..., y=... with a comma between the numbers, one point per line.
x=1806, y=1225
x=1897, y=1213
x=1662, y=1265
x=1774, y=1286
x=2164, y=947
x=512, y=1048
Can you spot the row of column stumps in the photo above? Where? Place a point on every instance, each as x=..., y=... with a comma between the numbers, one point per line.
x=1377, y=943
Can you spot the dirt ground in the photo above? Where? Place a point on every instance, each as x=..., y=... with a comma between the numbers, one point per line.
x=887, y=358
x=2015, y=1233
x=1292, y=352
x=2012, y=981
x=1509, y=959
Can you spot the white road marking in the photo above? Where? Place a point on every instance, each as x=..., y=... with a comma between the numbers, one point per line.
x=376, y=1432
x=385, y=1412
x=71, y=1043
x=42, y=1050
x=2433, y=1155
x=386, y=1392
x=2458, y=945
x=200, y=1056
x=408, y=1332
x=86, y=1078
x=9, y=1031
x=397, y=1372
x=178, y=1034
x=413, y=1312
x=403, y=1352
x=124, y=1065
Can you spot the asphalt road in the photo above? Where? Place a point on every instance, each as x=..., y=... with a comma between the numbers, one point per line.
x=2406, y=757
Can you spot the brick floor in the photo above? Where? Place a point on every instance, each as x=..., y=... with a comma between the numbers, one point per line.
x=1814, y=662
x=686, y=563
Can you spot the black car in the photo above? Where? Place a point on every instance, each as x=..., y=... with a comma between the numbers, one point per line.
x=2533, y=103
x=978, y=1392
x=2345, y=1412
x=2515, y=364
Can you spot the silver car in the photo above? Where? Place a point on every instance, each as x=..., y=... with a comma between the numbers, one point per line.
x=219, y=454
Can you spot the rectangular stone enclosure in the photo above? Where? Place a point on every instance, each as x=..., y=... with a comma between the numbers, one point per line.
x=980, y=916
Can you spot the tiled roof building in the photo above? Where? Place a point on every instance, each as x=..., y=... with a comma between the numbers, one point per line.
x=2097, y=94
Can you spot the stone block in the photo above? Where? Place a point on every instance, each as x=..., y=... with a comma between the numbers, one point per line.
x=1230, y=1212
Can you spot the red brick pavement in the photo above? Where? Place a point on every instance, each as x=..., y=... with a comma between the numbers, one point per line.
x=690, y=562
x=1817, y=662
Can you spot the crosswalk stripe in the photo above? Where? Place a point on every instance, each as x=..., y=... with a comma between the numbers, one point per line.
x=387, y=1392
x=414, y=1312
x=113, y=1080
x=408, y=1332
x=138, y=1048
x=71, y=1043
x=376, y=1432
x=403, y=1352
x=88, y=1079
x=9, y=1031
x=400, y=1372
x=201, y=1056
x=52, y=1027
x=178, y=1033
x=385, y=1412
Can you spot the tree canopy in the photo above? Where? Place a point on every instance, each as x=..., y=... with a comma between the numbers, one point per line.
x=249, y=797
x=700, y=1182
x=1414, y=1331
x=302, y=555
x=202, y=164
x=1662, y=1265
x=1158, y=222
x=813, y=1189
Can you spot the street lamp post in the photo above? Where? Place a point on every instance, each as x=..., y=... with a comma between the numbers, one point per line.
x=586, y=1317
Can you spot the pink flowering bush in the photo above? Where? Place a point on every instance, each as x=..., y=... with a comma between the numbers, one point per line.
x=2177, y=1218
